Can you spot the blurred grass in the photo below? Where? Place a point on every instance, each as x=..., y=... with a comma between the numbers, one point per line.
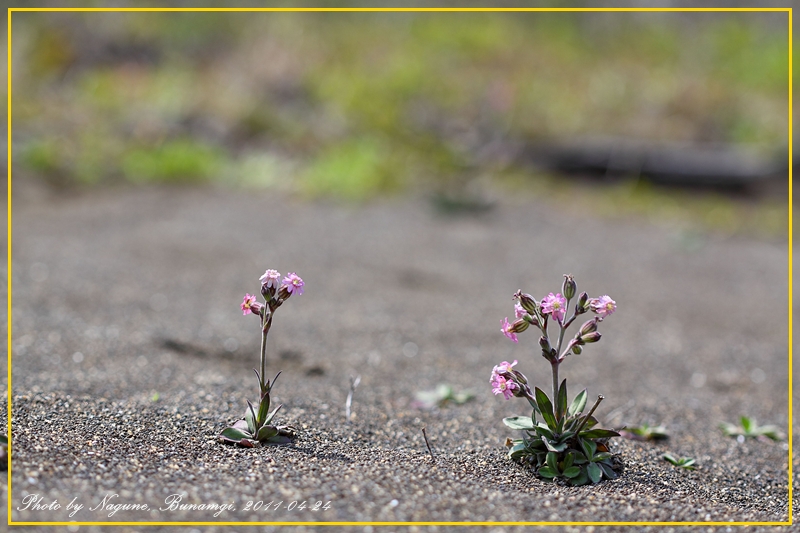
x=358, y=105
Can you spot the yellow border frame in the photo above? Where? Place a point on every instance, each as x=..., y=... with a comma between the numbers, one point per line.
x=432, y=9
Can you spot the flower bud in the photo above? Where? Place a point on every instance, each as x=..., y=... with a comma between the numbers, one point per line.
x=591, y=337
x=519, y=326
x=583, y=304
x=531, y=319
x=283, y=293
x=269, y=283
x=569, y=287
x=519, y=392
x=545, y=344
x=576, y=349
x=589, y=327
x=526, y=301
x=519, y=377
x=267, y=292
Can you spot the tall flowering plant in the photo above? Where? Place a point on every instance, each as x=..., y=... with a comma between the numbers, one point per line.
x=256, y=426
x=558, y=439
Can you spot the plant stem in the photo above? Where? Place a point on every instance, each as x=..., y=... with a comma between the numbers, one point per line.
x=554, y=364
x=266, y=323
x=564, y=327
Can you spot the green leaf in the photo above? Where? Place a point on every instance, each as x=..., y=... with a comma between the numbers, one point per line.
x=580, y=460
x=271, y=384
x=444, y=391
x=589, y=447
x=572, y=471
x=747, y=424
x=594, y=471
x=590, y=423
x=250, y=418
x=546, y=408
x=552, y=461
x=3, y=440
x=240, y=425
x=517, y=451
x=771, y=432
x=267, y=432
x=547, y=472
x=600, y=457
x=544, y=431
x=608, y=471
x=645, y=432
x=580, y=479
x=278, y=439
x=272, y=415
x=519, y=422
x=683, y=462
x=234, y=435
x=568, y=460
x=263, y=409
x=463, y=397
x=561, y=402
x=557, y=446
x=578, y=404
x=599, y=433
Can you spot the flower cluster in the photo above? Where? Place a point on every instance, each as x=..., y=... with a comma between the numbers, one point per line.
x=562, y=442
x=530, y=312
x=256, y=426
x=507, y=381
x=270, y=285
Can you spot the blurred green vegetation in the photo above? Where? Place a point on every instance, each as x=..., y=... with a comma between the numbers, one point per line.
x=358, y=105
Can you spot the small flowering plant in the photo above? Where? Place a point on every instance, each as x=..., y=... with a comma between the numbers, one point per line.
x=256, y=426
x=559, y=440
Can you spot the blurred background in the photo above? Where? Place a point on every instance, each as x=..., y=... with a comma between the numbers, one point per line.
x=677, y=117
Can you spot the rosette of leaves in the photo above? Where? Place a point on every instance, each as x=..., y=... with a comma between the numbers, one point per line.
x=645, y=432
x=560, y=441
x=256, y=426
x=748, y=428
x=443, y=395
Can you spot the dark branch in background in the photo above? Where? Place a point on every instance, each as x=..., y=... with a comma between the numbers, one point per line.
x=709, y=165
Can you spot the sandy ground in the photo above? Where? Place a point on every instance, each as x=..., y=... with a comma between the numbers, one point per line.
x=130, y=354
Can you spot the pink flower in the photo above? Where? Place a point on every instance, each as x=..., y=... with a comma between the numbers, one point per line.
x=555, y=305
x=502, y=368
x=293, y=283
x=603, y=306
x=507, y=331
x=519, y=311
x=271, y=278
x=248, y=304
x=504, y=386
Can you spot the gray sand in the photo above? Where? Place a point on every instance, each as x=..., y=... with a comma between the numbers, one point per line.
x=120, y=295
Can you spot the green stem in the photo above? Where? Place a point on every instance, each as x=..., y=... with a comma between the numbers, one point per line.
x=265, y=325
x=564, y=327
x=554, y=366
